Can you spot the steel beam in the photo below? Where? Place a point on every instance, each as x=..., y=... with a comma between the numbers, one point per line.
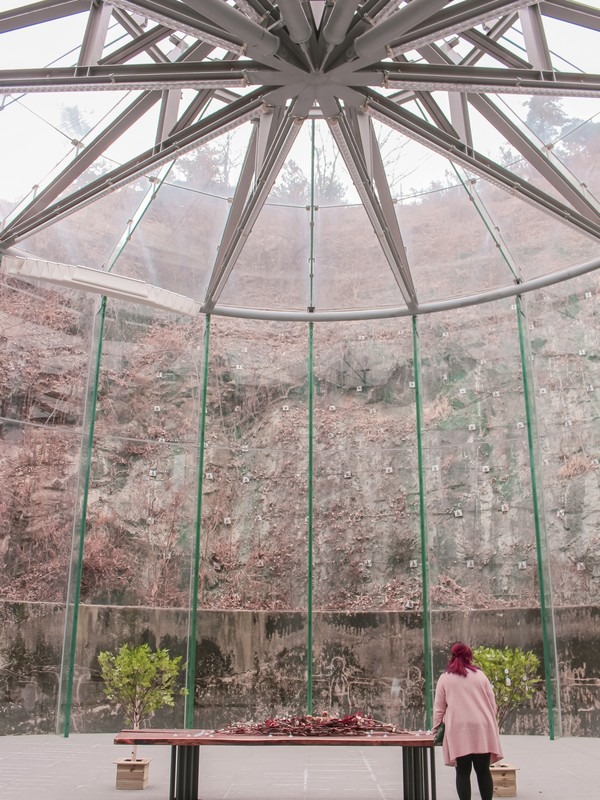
x=457, y=152
x=389, y=212
x=484, y=44
x=580, y=14
x=234, y=218
x=389, y=74
x=338, y=23
x=37, y=13
x=381, y=224
x=142, y=42
x=282, y=144
x=458, y=78
x=455, y=20
x=141, y=77
x=544, y=162
x=260, y=43
x=531, y=285
x=38, y=216
x=373, y=44
x=268, y=124
x=295, y=19
x=181, y=18
x=535, y=38
x=94, y=37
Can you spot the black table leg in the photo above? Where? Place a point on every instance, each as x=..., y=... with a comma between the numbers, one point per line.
x=172, y=772
x=418, y=776
x=184, y=772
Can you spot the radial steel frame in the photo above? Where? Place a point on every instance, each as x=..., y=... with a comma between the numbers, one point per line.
x=288, y=66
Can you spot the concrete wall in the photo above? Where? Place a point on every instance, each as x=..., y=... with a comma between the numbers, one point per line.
x=253, y=664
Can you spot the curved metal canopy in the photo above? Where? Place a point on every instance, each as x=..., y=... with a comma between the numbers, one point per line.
x=431, y=72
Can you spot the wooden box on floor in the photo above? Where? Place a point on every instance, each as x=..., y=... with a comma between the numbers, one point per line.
x=132, y=774
x=505, y=780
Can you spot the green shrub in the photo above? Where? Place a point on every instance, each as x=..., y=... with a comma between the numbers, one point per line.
x=514, y=675
x=140, y=680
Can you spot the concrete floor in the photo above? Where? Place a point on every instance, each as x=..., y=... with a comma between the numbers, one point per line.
x=82, y=767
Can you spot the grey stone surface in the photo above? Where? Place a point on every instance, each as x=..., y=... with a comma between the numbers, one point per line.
x=82, y=766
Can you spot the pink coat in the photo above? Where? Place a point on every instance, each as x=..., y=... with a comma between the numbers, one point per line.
x=467, y=707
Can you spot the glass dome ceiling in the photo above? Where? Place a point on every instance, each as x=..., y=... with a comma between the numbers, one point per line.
x=300, y=160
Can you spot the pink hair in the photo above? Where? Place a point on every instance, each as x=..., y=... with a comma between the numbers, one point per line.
x=461, y=659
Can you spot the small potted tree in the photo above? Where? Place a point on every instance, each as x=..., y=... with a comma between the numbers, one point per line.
x=140, y=681
x=514, y=675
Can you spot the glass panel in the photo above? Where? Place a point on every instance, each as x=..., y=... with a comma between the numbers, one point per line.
x=272, y=270
x=102, y=222
x=538, y=243
x=175, y=244
x=55, y=43
x=65, y=130
x=571, y=46
x=139, y=500
x=565, y=342
x=215, y=167
x=23, y=127
x=367, y=587
x=351, y=270
x=252, y=663
x=480, y=515
x=44, y=339
x=411, y=169
x=451, y=246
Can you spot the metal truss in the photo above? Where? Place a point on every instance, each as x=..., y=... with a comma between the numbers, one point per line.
x=278, y=63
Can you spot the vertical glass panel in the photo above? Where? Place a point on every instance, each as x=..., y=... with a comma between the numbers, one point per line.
x=102, y=222
x=314, y=153
x=175, y=243
x=563, y=323
x=138, y=496
x=480, y=514
x=252, y=663
x=187, y=203
x=452, y=249
x=272, y=269
x=351, y=270
x=368, y=651
x=215, y=167
x=538, y=242
x=44, y=340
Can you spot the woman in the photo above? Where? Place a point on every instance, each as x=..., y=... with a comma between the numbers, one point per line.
x=465, y=703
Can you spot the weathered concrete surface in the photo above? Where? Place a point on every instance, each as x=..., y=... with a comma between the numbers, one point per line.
x=253, y=664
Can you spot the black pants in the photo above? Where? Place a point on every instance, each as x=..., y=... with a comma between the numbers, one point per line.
x=481, y=764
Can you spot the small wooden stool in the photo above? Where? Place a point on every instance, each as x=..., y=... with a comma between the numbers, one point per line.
x=505, y=779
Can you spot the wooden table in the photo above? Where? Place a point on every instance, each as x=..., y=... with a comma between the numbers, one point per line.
x=418, y=756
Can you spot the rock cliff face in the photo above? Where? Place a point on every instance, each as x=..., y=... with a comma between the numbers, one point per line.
x=388, y=469
x=262, y=487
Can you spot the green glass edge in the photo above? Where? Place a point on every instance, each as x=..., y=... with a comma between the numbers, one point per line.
x=427, y=652
x=193, y=619
x=76, y=567
x=548, y=637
